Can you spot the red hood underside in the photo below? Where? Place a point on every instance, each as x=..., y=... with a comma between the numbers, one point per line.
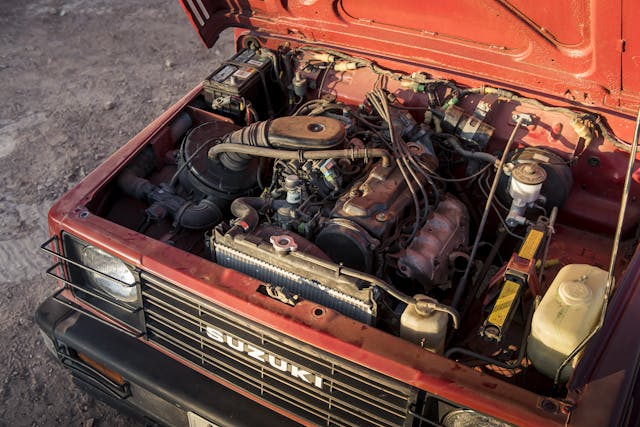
x=584, y=51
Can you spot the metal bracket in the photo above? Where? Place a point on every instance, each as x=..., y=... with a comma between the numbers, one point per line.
x=281, y=294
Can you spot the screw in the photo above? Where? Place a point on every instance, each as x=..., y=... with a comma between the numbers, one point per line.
x=549, y=405
x=382, y=217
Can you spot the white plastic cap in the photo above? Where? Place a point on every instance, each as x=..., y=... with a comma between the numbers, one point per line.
x=574, y=292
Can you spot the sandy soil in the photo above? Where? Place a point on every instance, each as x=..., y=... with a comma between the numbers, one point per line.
x=77, y=80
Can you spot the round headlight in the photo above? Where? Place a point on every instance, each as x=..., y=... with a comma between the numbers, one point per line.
x=469, y=418
x=116, y=278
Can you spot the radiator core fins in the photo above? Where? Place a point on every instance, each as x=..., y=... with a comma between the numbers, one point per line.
x=297, y=273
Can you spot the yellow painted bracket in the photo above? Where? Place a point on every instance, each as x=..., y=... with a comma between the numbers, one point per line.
x=502, y=311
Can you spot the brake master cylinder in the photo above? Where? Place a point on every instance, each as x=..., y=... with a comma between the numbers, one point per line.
x=524, y=188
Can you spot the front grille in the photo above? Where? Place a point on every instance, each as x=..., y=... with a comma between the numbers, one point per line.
x=296, y=377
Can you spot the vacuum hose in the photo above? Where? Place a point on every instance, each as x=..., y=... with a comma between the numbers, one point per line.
x=246, y=209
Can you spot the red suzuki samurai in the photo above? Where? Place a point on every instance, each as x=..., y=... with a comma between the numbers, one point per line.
x=373, y=214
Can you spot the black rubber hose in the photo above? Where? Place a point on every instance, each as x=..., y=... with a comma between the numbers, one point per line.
x=521, y=351
x=246, y=209
x=206, y=213
x=462, y=284
x=480, y=155
x=131, y=180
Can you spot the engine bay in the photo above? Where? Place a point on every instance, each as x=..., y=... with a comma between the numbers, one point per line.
x=440, y=213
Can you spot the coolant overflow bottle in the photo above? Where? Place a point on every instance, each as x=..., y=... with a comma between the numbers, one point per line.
x=427, y=328
x=568, y=312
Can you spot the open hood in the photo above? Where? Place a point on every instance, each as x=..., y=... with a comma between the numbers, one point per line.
x=585, y=51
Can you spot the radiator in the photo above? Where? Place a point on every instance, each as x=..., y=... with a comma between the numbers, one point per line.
x=298, y=273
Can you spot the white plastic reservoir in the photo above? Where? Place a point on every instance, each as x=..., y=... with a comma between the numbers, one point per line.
x=568, y=312
x=427, y=328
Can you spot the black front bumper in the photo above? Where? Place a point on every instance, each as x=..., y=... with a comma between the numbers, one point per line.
x=156, y=388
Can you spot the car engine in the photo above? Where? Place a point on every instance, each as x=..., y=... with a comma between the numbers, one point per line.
x=410, y=204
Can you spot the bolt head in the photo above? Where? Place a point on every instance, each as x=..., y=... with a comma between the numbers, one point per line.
x=382, y=217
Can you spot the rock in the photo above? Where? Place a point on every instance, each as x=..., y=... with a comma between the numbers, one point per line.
x=48, y=10
x=109, y=105
x=168, y=64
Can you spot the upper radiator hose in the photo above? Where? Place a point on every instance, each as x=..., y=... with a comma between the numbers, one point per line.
x=288, y=133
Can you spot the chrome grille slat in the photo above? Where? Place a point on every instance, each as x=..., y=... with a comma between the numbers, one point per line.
x=351, y=395
x=212, y=345
x=316, y=410
x=346, y=373
x=238, y=375
x=337, y=385
x=187, y=334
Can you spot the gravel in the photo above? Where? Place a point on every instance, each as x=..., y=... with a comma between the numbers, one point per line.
x=78, y=79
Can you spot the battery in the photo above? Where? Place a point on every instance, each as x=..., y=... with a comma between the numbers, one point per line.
x=248, y=75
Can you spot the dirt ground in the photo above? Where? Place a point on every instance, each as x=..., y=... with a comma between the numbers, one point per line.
x=78, y=79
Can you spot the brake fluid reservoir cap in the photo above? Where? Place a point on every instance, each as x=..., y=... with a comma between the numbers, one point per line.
x=529, y=173
x=574, y=292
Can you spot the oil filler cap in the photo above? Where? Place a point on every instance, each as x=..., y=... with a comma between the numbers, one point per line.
x=574, y=292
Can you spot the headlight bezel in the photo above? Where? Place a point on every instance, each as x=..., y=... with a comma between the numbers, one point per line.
x=436, y=410
x=84, y=286
x=116, y=280
x=448, y=419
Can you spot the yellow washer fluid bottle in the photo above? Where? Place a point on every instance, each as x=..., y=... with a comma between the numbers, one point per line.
x=568, y=312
